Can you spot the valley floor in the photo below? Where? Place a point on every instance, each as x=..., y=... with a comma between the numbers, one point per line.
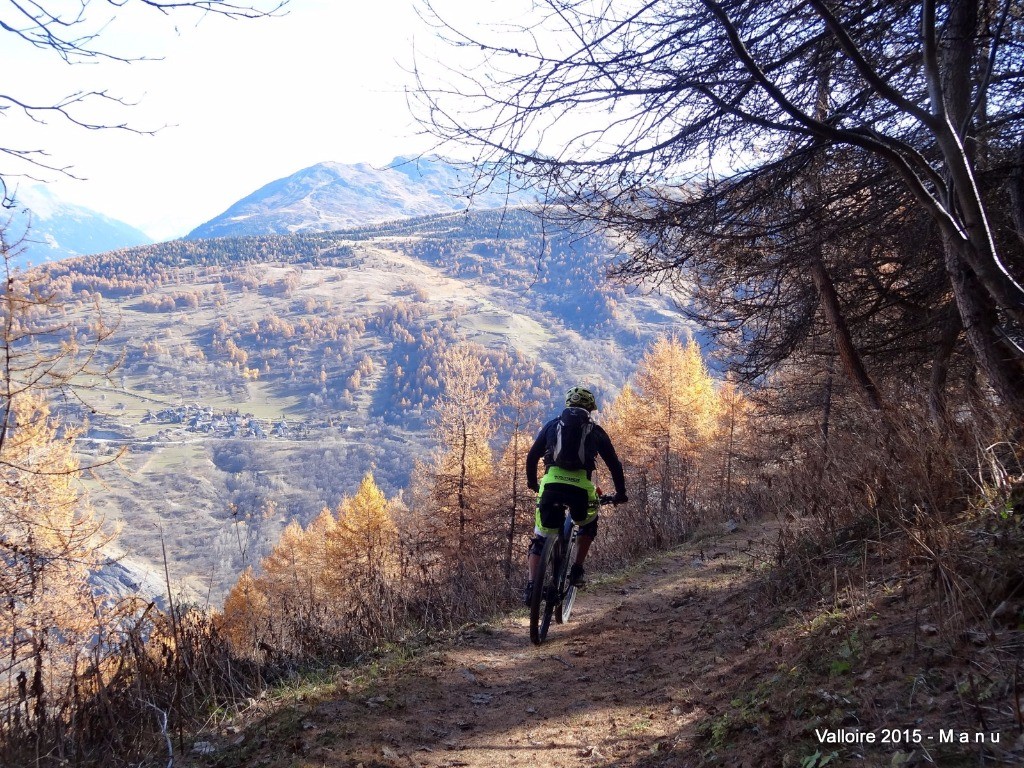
x=684, y=661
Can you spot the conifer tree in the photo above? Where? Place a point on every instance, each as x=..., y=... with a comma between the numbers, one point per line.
x=664, y=422
x=734, y=411
x=323, y=588
x=246, y=614
x=362, y=542
x=362, y=555
x=49, y=543
x=463, y=469
x=510, y=483
x=290, y=588
x=50, y=539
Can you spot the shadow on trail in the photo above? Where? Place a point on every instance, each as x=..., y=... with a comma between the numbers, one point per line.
x=625, y=681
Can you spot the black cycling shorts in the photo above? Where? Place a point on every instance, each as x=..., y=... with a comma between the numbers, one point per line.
x=557, y=497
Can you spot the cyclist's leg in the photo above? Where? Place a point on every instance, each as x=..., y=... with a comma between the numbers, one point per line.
x=584, y=514
x=548, y=519
x=533, y=554
x=586, y=537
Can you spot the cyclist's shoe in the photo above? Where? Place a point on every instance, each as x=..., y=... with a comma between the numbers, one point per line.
x=576, y=576
x=528, y=593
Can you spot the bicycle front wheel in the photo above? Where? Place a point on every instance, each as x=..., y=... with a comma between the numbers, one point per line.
x=564, y=608
x=545, y=591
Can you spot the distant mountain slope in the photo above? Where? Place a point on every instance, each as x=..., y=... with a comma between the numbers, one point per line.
x=262, y=377
x=54, y=229
x=331, y=196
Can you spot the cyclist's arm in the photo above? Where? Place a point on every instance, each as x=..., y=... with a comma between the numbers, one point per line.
x=533, y=457
x=606, y=451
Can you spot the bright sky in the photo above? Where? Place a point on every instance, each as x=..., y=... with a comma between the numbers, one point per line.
x=244, y=102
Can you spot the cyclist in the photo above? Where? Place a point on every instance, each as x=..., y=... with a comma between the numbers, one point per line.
x=569, y=444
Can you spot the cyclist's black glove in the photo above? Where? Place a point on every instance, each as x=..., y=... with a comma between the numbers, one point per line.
x=620, y=498
x=533, y=486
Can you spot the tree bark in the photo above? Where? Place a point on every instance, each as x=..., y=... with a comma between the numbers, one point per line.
x=852, y=362
x=979, y=320
x=948, y=336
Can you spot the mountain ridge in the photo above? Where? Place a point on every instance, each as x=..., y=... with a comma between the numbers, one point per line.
x=332, y=196
x=43, y=228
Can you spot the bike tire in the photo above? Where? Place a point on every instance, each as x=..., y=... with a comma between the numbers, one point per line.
x=564, y=608
x=545, y=591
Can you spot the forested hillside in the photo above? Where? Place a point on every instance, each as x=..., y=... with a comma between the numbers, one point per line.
x=259, y=379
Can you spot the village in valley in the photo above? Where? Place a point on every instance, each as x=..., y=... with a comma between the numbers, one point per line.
x=228, y=424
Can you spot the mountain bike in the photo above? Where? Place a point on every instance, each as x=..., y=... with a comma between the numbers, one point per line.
x=553, y=596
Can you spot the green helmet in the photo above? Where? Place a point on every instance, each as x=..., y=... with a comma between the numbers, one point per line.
x=580, y=397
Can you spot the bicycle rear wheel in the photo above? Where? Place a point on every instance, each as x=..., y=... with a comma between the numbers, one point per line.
x=545, y=590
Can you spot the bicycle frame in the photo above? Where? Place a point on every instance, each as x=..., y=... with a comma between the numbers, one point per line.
x=553, y=596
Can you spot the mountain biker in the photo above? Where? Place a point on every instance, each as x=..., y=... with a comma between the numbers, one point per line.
x=569, y=485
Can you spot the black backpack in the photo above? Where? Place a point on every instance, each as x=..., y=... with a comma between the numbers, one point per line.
x=571, y=432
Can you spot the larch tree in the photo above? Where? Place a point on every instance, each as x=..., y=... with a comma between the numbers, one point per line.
x=664, y=422
x=246, y=615
x=50, y=542
x=735, y=408
x=462, y=475
x=363, y=539
x=510, y=483
x=635, y=526
x=325, y=588
x=291, y=589
x=362, y=560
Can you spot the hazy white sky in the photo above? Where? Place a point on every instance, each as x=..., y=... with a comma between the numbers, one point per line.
x=244, y=102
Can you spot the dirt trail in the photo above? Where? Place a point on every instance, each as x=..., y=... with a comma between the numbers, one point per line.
x=622, y=684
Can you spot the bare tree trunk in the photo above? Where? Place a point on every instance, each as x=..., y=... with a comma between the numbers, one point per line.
x=727, y=496
x=971, y=262
x=823, y=283
x=1016, y=190
x=980, y=322
x=951, y=85
x=826, y=406
x=851, y=359
x=514, y=509
x=464, y=452
x=950, y=333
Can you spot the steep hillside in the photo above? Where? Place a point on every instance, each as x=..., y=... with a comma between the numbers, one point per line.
x=330, y=196
x=53, y=229
x=264, y=376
